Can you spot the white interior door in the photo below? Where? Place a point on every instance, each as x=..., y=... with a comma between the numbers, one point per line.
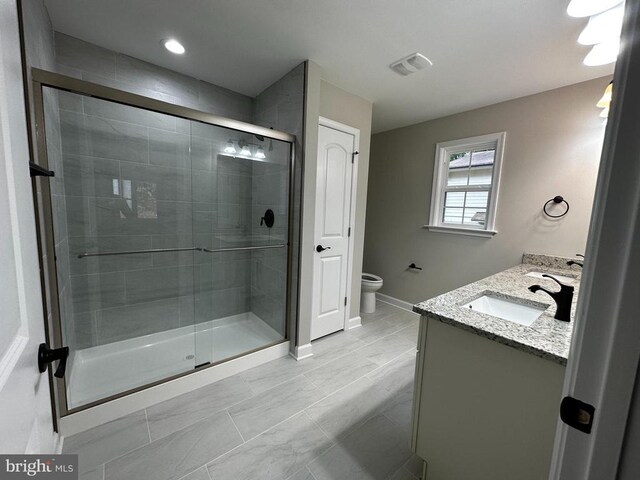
x=25, y=409
x=331, y=232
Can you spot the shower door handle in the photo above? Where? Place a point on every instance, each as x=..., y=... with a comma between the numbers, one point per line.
x=48, y=355
x=320, y=248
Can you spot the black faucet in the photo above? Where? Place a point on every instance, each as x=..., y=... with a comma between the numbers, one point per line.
x=563, y=298
x=573, y=262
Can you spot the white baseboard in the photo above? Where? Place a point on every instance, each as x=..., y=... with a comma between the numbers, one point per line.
x=302, y=351
x=354, y=322
x=396, y=302
x=106, y=412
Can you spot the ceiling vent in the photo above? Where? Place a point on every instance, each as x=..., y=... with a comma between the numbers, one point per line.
x=410, y=64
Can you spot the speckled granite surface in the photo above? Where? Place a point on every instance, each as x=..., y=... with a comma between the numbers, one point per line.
x=546, y=337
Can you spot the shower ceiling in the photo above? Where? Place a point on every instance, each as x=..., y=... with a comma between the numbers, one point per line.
x=484, y=51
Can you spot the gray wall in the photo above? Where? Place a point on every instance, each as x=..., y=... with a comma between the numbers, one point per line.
x=324, y=99
x=552, y=148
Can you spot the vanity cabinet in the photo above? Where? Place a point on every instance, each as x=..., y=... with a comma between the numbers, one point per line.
x=482, y=410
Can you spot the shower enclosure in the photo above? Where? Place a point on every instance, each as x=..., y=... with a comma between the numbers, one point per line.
x=167, y=237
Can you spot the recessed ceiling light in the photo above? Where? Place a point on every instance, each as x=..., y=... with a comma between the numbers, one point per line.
x=173, y=46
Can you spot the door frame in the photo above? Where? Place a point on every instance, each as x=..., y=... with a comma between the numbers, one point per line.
x=348, y=129
x=603, y=362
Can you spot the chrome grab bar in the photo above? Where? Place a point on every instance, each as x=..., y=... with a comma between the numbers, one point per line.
x=185, y=249
x=133, y=252
x=235, y=249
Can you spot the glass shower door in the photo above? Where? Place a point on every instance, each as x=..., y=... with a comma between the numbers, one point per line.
x=241, y=206
x=123, y=227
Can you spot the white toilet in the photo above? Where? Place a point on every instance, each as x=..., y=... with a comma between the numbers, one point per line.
x=370, y=285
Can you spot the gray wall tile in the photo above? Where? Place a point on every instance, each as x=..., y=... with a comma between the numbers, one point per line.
x=131, y=321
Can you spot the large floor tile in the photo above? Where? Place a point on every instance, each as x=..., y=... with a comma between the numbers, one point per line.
x=106, y=442
x=386, y=349
x=338, y=413
x=303, y=474
x=341, y=372
x=199, y=474
x=263, y=411
x=369, y=332
x=395, y=375
x=178, y=454
x=172, y=415
x=95, y=474
x=376, y=450
x=398, y=409
x=402, y=474
x=270, y=374
x=274, y=455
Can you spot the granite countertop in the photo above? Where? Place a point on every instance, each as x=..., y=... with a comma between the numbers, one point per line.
x=546, y=337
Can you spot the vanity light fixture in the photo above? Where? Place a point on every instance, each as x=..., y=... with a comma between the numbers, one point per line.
x=586, y=8
x=174, y=46
x=260, y=153
x=605, y=101
x=603, y=29
x=244, y=150
x=229, y=148
x=603, y=53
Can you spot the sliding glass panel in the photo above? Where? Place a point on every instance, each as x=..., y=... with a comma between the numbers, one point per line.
x=124, y=243
x=241, y=201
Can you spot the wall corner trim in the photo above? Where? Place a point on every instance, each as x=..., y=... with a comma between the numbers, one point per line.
x=354, y=322
x=302, y=351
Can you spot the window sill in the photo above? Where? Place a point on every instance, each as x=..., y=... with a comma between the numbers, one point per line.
x=461, y=231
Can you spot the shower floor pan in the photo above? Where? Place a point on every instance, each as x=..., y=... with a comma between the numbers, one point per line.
x=105, y=370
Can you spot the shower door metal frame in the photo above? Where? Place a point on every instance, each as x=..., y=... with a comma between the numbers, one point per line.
x=44, y=218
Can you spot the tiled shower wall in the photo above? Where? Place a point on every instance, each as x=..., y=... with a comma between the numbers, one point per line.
x=115, y=298
x=281, y=106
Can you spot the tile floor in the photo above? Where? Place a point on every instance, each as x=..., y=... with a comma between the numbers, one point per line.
x=344, y=413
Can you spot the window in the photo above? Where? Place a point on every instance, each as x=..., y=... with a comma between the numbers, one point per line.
x=465, y=185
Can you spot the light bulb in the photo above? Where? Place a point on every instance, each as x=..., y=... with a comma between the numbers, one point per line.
x=605, y=101
x=586, y=8
x=603, y=27
x=174, y=46
x=245, y=151
x=260, y=153
x=603, y=53
x=229, y=148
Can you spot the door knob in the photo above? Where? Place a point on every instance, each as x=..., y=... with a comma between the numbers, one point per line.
x=48, y=355
x=320, y=248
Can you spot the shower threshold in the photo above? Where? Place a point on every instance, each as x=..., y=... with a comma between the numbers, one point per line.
x=106, y=370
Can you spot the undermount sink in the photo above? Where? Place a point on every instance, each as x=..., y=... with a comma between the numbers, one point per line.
x=561, y=278
x=505, y=309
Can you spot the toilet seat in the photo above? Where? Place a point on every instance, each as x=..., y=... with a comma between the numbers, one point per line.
x=370, y=278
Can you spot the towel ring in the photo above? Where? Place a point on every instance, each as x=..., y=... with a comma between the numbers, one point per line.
x=556, y=199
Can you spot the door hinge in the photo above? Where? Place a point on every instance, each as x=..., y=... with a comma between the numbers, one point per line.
x=345, y=301
x=353, y=156
x=349, y=232
x=38, y=171
x=577, y=414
